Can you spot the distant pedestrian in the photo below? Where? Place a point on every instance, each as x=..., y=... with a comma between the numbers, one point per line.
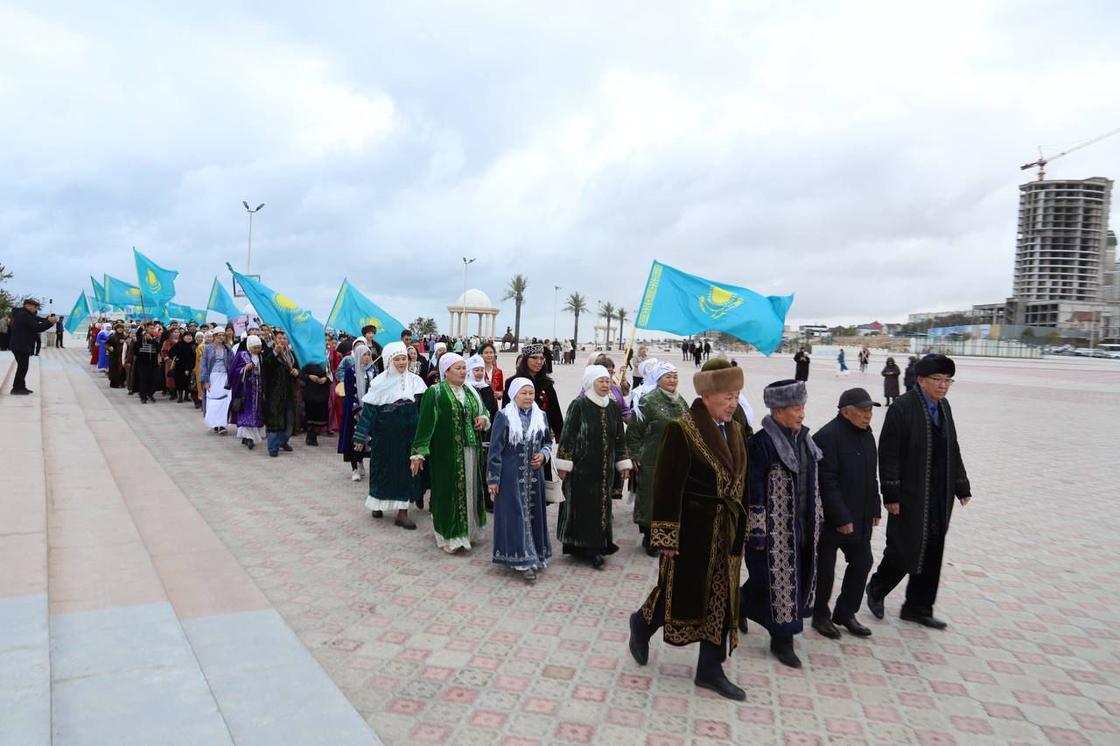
x=801, y=361
x=841, y=363
x=910, y=377
x=697, y=354
x=59, y=331
x=23, y=335
x=5, y=325
x=891, y=374
x=707, y=349
x=864, y=359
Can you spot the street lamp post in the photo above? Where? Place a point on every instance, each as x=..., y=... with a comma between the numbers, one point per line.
x=462, y=325
x=555, y=298
x=249, y=251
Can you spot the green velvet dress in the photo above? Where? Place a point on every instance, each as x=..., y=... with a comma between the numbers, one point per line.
x=643, y=437
x=452, y=451
x=592, y=450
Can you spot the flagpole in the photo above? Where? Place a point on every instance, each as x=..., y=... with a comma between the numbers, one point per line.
x=626, y=355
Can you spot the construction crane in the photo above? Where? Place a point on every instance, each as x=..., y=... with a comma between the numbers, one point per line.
x=1043, y=160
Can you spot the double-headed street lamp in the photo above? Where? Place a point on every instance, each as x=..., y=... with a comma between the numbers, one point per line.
x=249, y=251
x=462, y=330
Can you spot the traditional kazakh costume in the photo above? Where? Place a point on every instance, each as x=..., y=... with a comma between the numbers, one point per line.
x=246, y=390
x=102, y=353
x=447, y=441
x=390, y=411
x=592, y=449
x=520, y=524
x=653, y=409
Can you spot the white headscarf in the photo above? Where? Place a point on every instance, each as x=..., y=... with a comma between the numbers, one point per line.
x=651, y=374
x=591, y=374
x=475, y=362
x=361, y=380
x=446, y=360
x=252, y=341
x=390, y=386
x=537, y=422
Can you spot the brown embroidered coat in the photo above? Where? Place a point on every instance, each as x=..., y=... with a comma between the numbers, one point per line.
x=699, y=500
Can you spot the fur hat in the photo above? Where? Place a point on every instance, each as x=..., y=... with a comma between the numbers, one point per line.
x=785, y=393
x=717, y=377
x=935, y=364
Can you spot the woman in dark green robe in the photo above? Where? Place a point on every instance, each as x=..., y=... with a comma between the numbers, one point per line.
x=592, y=447
x=655, y=406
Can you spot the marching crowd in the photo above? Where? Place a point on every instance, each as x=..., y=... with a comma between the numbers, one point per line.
x=439, y=423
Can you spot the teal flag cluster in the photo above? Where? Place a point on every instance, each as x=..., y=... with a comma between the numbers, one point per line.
x=186, y=313
x=305, y=332
x=78, y=314
x=121, y=293
x=680, y=303
x=352, y=311
x=221, y=301
x=157, y=285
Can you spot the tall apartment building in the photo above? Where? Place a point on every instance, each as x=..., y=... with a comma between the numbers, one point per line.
x=1061, y=250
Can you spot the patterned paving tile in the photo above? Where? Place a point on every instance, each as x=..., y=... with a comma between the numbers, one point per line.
x=437, y=649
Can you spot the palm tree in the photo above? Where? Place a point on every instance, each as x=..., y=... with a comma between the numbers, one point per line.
x=515, y=291
x=606, y=310
x=576, y=305
x=621, y=315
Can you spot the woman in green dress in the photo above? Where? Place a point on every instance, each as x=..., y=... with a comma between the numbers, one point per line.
x=655, y=405
x=449, y=443
x=592, y=448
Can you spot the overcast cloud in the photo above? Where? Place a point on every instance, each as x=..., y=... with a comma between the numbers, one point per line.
x=863, y=155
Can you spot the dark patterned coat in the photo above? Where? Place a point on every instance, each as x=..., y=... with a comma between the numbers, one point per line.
x=699, y=499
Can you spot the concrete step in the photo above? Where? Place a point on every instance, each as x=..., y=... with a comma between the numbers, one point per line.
x=268, y=687
x=25, y=677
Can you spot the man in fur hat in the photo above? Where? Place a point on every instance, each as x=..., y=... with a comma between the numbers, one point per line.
x=697, y=524
x=784, y=521
x=920, y=473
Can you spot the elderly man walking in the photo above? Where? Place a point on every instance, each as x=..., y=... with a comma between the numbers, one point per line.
x=850, y=495
x=23, y=338
x=784, y=521
x=699, y=489
x=921, y=472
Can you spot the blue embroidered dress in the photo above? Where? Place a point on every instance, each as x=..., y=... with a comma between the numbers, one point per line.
x=520, y=524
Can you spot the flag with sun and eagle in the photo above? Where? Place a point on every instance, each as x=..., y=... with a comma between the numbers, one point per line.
x=305, y=332
x=157, y=285
x=680, y=303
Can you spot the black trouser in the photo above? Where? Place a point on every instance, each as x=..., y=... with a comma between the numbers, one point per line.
x=858, y=556
x=709, y=663
x=38, y=343
x=19, y=383
x=58, y=339
x=147, y=381
x=921, y=590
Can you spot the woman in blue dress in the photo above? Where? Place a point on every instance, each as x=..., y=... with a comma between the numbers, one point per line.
x=356, y=372
x=520, y=443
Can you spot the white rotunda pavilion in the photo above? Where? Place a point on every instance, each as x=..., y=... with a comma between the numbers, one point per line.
x=474, y=302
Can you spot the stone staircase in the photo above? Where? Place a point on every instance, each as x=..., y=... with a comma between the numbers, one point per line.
x=125, y=619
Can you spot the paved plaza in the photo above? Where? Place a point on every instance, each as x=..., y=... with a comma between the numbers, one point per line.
x=431, y=648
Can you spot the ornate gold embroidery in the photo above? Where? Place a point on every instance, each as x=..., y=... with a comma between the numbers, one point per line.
x=780, y=554
x=664, y=534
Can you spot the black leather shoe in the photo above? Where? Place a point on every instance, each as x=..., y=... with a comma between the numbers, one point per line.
x=377, y=513
x=875, y=605
x=826, y=628
x=786, y=656
x=286, y=448
x=852, y=625
x=926, y=620
x=21, y=392
x=273, y=454
x=597, y=561
x=721, y=686
x=742, y=623
x=638, y=648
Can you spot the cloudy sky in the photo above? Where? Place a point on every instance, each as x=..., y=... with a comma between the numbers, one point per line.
x=861, y=155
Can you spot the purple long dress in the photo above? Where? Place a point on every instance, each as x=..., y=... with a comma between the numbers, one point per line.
x=245, y=384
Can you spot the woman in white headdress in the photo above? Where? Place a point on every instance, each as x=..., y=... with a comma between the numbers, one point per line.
x=520, y=444
x=356, y=377
x=247, y=393
x=390, y=411
x=591, y=455
x=448, y=443
x=655, y=405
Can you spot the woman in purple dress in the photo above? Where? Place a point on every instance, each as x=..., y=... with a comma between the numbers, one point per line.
x=247, y=405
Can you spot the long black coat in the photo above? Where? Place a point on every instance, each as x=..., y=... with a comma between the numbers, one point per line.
x=848, y=479
x=25, y=327
x=891, y=374
x=802, y=361
x=905, y=453
x=280, y=388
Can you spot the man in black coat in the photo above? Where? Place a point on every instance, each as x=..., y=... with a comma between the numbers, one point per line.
x=801, y=360
x=921, y=472
x=850, y=494
x=23, y=338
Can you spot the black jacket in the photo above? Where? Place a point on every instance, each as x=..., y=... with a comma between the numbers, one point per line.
x=25, y=327
x=802, y=361
x=905, y=455
x=849, y=482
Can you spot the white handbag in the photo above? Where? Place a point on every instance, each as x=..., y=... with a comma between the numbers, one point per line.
x=553, y=491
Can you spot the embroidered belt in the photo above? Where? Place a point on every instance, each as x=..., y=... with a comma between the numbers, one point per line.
x=735, y=512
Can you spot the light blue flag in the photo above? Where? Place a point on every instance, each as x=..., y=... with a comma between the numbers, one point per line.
x=179, y=312
x=120, y=293
x=305, y=332
x=78, y=314
x=157, y=285
x=222, y=302
x=352, y=310
x=685, y=304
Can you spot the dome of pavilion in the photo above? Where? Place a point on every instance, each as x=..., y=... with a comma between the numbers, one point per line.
x=474, y=298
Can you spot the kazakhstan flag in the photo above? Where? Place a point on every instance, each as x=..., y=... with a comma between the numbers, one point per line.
x=304, y=331
x=681, y=303
x=99, y=293
x=79, y=313
x=156, y=283
x=120, y=293
x=221, y=301
x=186, y=313
x=352, y=311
